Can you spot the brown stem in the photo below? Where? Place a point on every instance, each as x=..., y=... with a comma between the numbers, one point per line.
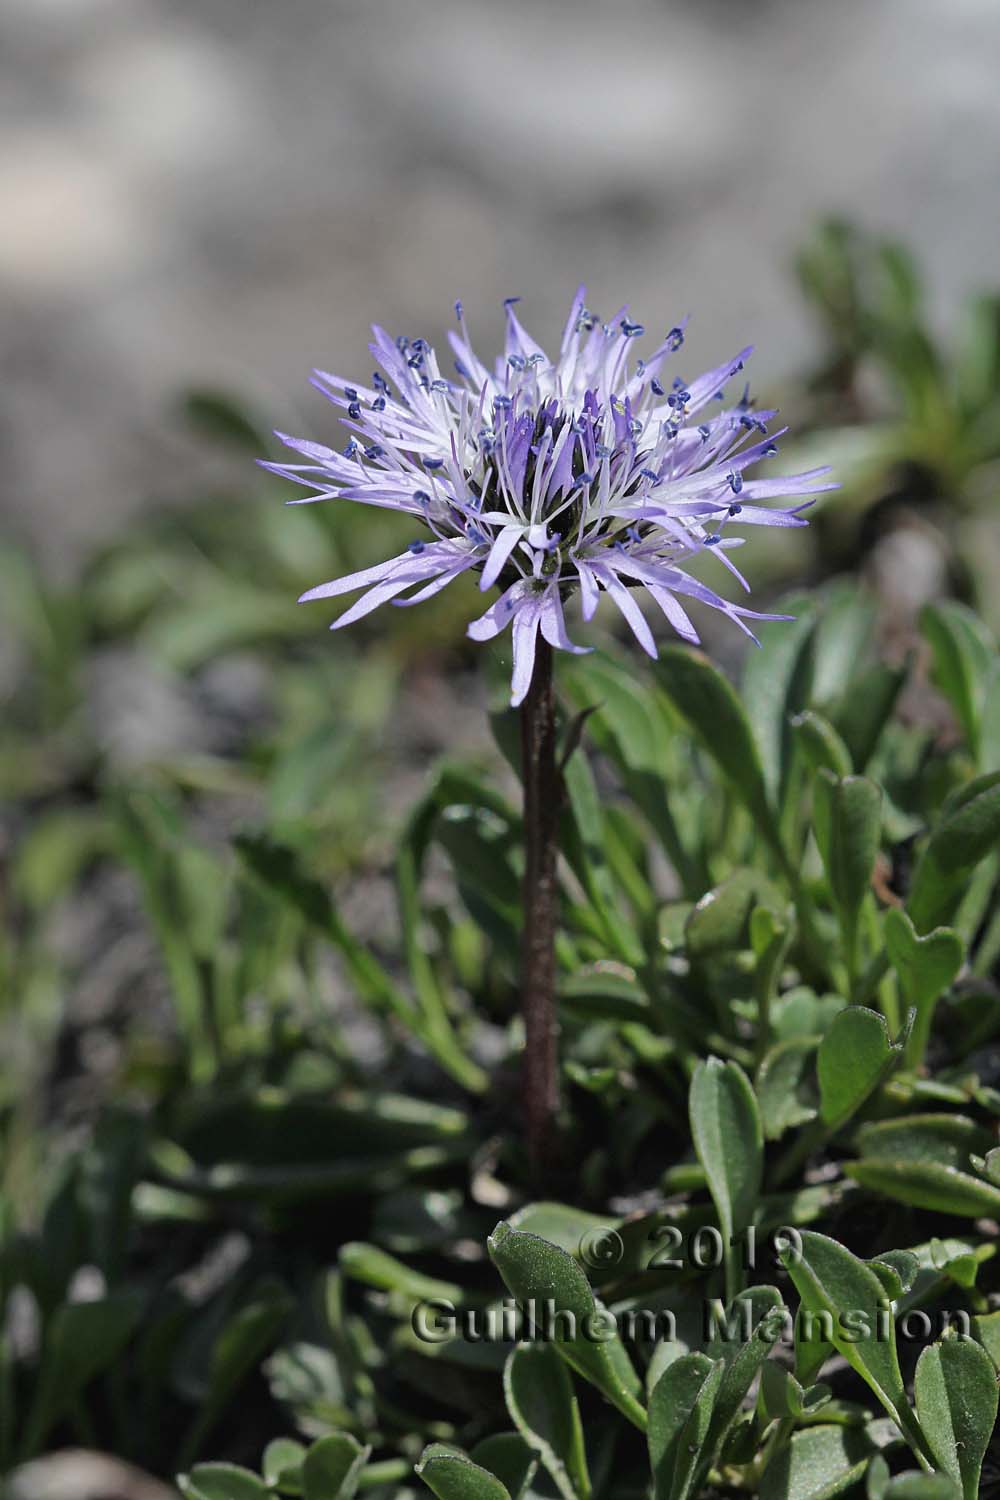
x=542, y=795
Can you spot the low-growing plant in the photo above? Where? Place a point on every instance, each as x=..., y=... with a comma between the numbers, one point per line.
x=755, y=1251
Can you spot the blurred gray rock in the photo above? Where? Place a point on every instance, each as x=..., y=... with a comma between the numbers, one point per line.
x=213, y=192
x=78, y=1474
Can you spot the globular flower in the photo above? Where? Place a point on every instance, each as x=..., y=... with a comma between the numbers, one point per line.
x=590, y=474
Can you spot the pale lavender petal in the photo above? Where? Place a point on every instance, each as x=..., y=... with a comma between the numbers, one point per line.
x=792, y=484
x=553, y=623
x=524, y=634
x=674, y=612
x=352, y=581
x=500, y=612
x=502, y=547
x=625, y=601
x=589, y=592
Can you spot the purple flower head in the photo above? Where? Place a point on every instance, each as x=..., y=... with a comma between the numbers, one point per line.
x=595, y=473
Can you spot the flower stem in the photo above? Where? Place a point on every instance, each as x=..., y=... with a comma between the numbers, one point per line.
x=542, y=795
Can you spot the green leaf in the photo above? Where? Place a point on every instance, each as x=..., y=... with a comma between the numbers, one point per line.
x=719, y=923
x=784, y=1086
x=821, y=744
x=858, y=1318
x=543, y=1408
x=375, y=1267
x=963, y=655
x=509, y=1457
x=237, y=1351
x=940, y=1139
x=592, y=866
x=897, y=1270
x=453, y=1476
x=631, y=725
x=865, y=709
x=532, y=1268
x=969, y=828
x=938, y=1189
x=713, y=709
x=219, y=1481
x=911, y=1485
x=223, y=418
x=987, y=1330
x=955, y=1391
x=776, y=683
x=729, y=1142
x=332, y=1467
x=758, y=1318
x=853, y=1059
x=680, y=1411
x=818, y=1463
x=282, y=1465
x=847, y=817
x=572, y=1229
x=280, y=868
x=84, y=1339
x=925, y=967
x=845, y=631
x=783, y=1396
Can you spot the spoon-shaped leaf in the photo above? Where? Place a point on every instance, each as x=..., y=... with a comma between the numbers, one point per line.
x=548, y=1284
x=925, y=967
x=847, y=814
x=855, y=1316
x=452, y=1475
x=680, y=1412
x=854, y=1057
x=543, y=1407
x=729, y=1141
x=955, y=1391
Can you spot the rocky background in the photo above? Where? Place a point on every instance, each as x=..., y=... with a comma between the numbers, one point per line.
x=210, y=191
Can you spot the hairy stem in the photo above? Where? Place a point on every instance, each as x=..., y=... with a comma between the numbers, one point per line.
x=542, y=794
